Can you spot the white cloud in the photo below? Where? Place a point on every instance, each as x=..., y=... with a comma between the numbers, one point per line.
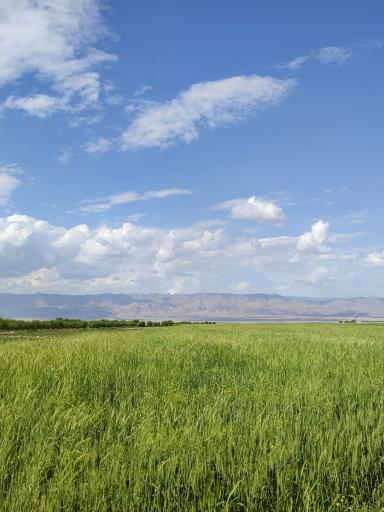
x=88, y=119
x=52, y=40
x=333, y=55
x=203, y=105
x=9, y=182
x=135, y=217
x=317, y=274
x=242, y=286
x=277, y=242
x=252, y=208
x=329, y=55
x=183, y=284
x=375, y=259
x=65, y=156
x=99, y=146
x=105, y=203
x=38, y=256
x=204, y=241
x=40, y=105
x=110, y=95
x=314, y=239
x=347, y=237
x=354, y=218
x=142, y=90
x=295, y=63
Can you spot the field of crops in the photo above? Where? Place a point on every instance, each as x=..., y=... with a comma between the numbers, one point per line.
x=193, y=418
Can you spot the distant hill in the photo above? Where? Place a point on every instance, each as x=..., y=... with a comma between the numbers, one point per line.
x=197, y=307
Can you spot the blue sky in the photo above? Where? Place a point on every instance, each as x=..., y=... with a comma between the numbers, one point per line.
x=191, y=147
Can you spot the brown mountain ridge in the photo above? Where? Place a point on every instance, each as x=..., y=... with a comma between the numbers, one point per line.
x=195, y=307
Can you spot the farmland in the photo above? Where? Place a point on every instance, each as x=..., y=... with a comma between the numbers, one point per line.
x=193, y=418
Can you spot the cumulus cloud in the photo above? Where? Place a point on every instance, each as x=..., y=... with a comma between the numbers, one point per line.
x=105, y=203
x=38, y=256
x=252, y=208
x=203, y=105
x=9, y=182
x=204, y=241
x=52, y=40
x=129, y=253
x=314, y=239
x=329, y=55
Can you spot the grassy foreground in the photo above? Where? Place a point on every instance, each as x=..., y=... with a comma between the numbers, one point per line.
x=194, y=418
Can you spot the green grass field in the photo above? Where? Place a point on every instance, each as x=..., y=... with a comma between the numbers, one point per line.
x=193, y=418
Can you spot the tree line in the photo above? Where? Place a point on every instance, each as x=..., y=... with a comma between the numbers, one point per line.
x=9, y=324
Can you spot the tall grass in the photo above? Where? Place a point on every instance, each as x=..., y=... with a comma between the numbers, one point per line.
x=194, y=418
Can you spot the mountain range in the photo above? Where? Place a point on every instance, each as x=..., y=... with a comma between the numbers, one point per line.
x=221, y=307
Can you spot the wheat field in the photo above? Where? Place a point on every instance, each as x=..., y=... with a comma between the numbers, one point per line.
x=193, y=418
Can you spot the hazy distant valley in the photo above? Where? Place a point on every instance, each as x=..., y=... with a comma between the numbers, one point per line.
x=198, y=307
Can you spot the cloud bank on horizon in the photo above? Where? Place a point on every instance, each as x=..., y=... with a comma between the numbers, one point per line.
x=38, y=256
x=88, y=135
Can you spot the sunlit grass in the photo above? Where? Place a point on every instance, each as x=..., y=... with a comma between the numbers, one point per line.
x=194, y=418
